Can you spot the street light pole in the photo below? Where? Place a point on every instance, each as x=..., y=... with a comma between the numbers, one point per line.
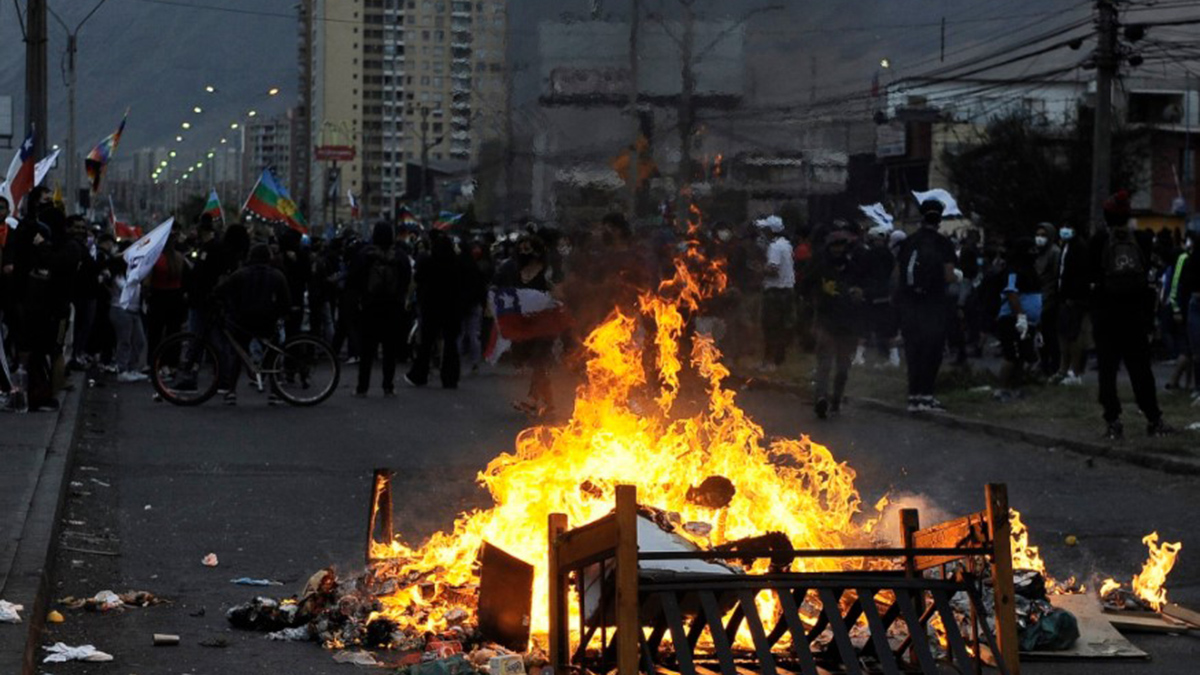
x=72, y=148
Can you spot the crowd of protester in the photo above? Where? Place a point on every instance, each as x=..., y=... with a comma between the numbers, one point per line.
x=854, y=293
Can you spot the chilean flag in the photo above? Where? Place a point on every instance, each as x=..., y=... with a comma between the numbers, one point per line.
x=20, y=179
x=524, y=314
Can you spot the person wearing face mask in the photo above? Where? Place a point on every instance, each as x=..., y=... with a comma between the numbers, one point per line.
x=1045, y=264
x=1072, y=292
x=882, y=325
x=835, y=285
x=925, y=267
x=1123, y=318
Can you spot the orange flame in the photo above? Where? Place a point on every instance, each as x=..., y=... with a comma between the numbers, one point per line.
x=1149, y=583
x=793, y=486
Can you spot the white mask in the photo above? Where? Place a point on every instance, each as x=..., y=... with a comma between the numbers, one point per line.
x=1066, y=233
x=724, y=235
x=1040, y=241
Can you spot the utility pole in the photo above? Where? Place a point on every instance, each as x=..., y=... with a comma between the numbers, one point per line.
x=35, y=74
x=632, y=175
x=687, y=114
x=1107, y=63
x=72, y=148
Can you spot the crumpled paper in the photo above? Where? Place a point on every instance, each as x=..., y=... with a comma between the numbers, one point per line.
x=8, y=612
x=61, y=653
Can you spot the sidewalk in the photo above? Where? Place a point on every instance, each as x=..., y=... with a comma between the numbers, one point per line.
x=35, y=456
x=1048, y=416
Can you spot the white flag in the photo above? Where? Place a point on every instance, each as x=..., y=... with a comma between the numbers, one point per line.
x=43, y=167
x=141, y=258
x=951, y=210
x=878, y=215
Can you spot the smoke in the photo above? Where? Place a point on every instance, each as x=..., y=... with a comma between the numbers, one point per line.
x=931, y=514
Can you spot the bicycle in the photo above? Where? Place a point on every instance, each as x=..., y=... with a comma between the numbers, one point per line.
x=186, y=369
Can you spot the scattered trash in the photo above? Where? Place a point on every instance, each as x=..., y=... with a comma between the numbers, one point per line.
x=263, y=614
x=88, y=468
x=101, y=483
x=107, y=600
x=981, y=389
x=77, y=523
x=198, y=613
x=55, y=616
x=8, y=612
x=357, y=658
x=1072, y=540
x=76, y=484
x=1194, y=426
x=209, y=560
x=166, y=640
x=214, y=642
x=294, y=634
x=247, y=581
x=61, y=653
x=508, y=664
x=146, y=507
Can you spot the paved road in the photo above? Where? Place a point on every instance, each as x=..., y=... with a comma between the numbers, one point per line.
x=281, y=492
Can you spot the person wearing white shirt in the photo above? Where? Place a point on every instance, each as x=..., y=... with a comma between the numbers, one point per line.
x=779, y=278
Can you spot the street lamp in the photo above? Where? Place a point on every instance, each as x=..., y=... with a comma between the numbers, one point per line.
x=171, y=155
x=179, y=139
x=186, y=125
x=210, y=89
x=251, y=113
x=273, y=91
x=72, y=48
x=197, y=110
x=233, y=126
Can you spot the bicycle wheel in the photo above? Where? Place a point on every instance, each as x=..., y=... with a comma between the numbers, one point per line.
x=305, y=372
x=186, y=369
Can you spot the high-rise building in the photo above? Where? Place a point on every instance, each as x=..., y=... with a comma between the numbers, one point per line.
x=266, y=144
x=402, y=82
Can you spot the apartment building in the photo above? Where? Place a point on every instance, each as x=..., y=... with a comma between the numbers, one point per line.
x=402, y=82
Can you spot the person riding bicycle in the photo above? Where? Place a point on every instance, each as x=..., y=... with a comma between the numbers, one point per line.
x=255, y=299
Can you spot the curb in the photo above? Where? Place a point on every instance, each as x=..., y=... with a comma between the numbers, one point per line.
x=32, y=565
x=1159, y=462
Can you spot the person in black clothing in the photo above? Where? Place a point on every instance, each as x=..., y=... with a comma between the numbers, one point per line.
x=1189, y=299
x=925, y=265
x=1074, y=293
x=83, y=293
x=882, y=324
x=835, y=286
x=1123, y=318
x=380, y=279
x=297, y=269
x=439, y=299
x=255, y=299
x=474, y=288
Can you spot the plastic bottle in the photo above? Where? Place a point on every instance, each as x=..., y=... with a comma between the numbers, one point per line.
x=20, y=391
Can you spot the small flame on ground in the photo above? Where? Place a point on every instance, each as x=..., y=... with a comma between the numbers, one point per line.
x=1149, y=583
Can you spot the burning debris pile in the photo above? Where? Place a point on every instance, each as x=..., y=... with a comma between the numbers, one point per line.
x=697, y=456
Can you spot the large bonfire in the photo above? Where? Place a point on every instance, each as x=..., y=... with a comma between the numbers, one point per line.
x=631, y=425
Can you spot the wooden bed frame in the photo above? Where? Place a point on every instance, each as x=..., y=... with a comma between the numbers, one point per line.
x=917, y=596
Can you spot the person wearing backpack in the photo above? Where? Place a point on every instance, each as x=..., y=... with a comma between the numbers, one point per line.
x=925, y=266
x=381, y=280
x=1123, y=318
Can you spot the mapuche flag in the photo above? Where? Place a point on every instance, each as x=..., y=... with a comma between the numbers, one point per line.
x=98, y=158
x=270, y=201
x=213, y=206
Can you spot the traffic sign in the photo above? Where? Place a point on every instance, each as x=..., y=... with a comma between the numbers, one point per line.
x=335, y=153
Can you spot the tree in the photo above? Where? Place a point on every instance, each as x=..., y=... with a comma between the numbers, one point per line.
x=1017, y=173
